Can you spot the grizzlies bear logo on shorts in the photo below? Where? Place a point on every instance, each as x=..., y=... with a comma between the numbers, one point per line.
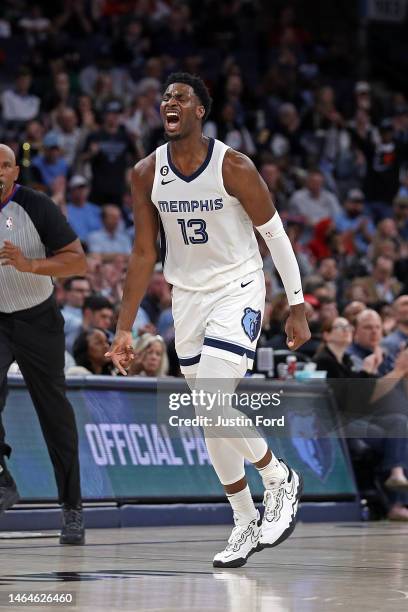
x=251, y=323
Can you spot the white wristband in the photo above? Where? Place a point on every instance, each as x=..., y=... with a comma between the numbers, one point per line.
x=283, y=257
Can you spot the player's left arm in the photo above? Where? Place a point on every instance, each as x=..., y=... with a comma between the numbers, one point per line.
x=243, y=181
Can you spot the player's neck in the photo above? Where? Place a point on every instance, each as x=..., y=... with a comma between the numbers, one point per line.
x=189, y=147
x=189, y=153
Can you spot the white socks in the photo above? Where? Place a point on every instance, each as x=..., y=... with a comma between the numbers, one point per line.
x=243, y=506
x=272, y=474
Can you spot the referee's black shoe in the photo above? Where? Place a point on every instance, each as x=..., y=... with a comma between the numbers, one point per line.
x=73, y=530
x=8, y=489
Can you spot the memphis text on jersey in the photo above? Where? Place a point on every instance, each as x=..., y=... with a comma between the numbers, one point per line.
x=190, y=206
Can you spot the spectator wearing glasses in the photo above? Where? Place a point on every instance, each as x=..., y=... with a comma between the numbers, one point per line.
x=333, y=358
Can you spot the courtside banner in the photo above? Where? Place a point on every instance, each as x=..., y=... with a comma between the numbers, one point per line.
x=129, y=450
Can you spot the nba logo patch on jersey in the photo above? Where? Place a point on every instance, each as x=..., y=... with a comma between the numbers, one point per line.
x=9, y=223
x=251, y=323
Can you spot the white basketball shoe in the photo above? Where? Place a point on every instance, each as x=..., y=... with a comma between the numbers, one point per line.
x=242, y=543
x=281, y=505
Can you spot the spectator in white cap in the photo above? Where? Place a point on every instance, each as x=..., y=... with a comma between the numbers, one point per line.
x=83, y=216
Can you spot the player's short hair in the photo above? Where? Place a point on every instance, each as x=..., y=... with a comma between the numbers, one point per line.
x=198, y=86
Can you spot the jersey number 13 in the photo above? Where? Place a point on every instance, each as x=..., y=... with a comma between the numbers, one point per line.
x=198, y=226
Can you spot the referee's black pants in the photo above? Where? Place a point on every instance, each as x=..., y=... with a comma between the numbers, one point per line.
x=35, y=339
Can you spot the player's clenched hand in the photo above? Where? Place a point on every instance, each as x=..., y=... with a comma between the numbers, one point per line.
x=11, y=255
x=297, y=328
x=121, y=351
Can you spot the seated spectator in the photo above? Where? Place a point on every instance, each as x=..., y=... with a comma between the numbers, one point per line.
x=328, y=310
x=83, y=216
x=157, y=298
x=329, y=271
x=381, y=285
x=386, y=313
x=89, y=351
x=76, y=290
x=51, y=165
x=400, y=210
x=313, y=201
x=274, y=180
x=287, y=136
x=357, y=291
x=367, y=339
x=324, y=242
x=333, y=358
x=352, y=310
x=398, y=339
x=150, y=357
x=97, y=311
x=356, y=228
x=60, y=97
x=110, y=238
x=337, y=337
x=386, y=240
x=69, y=133
x=18, y=104
x=231, y=131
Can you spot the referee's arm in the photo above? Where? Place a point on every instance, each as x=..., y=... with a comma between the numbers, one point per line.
x=68, y=261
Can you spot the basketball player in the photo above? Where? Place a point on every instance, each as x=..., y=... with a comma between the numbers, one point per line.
x=208, y=197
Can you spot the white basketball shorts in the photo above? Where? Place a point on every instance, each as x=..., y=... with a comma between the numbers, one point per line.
x=224, y=323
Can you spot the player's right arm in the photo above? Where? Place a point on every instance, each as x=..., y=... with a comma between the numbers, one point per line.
x=141, y=261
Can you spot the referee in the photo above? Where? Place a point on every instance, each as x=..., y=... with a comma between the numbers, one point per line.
x=36, y=243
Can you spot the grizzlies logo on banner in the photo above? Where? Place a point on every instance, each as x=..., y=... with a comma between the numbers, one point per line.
x=251, y=323
x=315, y=450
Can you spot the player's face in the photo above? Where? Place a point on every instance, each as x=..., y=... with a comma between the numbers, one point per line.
x=8, y=171
x=180, y=111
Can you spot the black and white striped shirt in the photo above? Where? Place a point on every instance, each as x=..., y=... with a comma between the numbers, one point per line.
x=30, y=220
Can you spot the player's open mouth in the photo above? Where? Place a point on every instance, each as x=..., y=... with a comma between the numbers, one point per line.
x=172, y=121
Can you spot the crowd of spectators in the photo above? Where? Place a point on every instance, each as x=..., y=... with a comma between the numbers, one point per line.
x=80, y=104
x=79, y=101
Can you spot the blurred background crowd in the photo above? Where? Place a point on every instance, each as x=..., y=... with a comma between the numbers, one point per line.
x=314, y=94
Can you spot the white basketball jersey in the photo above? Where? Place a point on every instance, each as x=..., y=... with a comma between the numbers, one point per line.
x=207, y=238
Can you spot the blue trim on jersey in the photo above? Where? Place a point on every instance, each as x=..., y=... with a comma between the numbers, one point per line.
x=199, y=170
x=12, y=194
x=229, y=346
x=163, y=243
x=187, y=361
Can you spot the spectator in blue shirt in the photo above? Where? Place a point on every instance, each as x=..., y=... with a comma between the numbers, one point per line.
x=83, y=216
x=352, y=220
x=111, y=238
x=76, y=290
x=51, y=165
x=367, y=338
